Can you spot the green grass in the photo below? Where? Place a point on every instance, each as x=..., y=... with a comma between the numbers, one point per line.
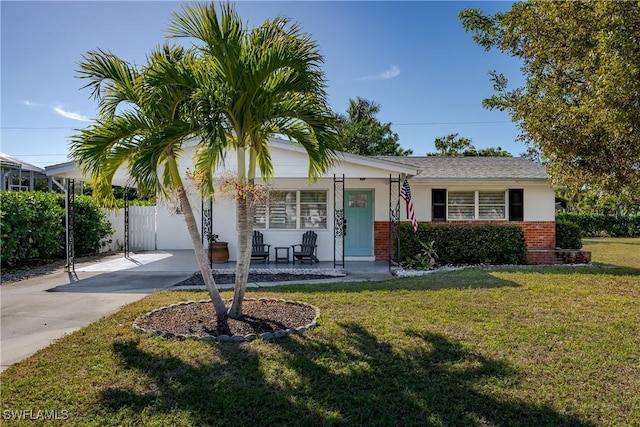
x=510, y=347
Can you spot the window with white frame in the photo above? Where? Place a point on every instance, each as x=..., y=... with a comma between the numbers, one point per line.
x=489, y=205
x=293, y=209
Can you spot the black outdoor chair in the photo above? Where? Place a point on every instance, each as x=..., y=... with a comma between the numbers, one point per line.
x=307, y=249
x=259, y=249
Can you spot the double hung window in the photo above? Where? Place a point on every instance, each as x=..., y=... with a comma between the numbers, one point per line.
x=477, y=205
x=293, y=209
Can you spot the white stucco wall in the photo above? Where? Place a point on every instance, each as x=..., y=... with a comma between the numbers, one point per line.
x=224, y=214
x=291, y=168
x=539, y=198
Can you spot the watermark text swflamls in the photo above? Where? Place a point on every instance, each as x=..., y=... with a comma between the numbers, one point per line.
x=35, y=414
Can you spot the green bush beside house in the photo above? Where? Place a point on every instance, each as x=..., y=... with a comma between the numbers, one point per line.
x=33, y=226
x=568, y=235
x=465, y=244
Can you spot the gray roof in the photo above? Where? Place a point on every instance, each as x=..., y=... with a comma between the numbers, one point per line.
x=459, y=168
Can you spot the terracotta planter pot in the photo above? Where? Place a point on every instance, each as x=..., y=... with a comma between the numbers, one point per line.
x=219, y=252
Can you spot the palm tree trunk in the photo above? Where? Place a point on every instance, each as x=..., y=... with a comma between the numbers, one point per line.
x=245, y=234
x=201, y=256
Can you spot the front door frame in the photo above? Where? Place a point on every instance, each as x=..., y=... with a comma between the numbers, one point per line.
x=371, y=206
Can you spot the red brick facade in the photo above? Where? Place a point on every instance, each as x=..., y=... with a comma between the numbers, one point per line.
x=538, y=235
x=381, y=240
x=558, y=256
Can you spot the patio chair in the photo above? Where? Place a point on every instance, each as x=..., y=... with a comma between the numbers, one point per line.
x=307, y=249
x=259, y=249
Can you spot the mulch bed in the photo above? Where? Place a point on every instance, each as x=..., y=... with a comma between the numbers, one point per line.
x=197, y=319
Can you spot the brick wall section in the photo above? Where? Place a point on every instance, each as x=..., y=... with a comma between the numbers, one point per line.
x=537, y=235
x=381, y=240
x=559, y=256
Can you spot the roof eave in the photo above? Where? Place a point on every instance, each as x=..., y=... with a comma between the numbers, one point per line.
x=478, y=179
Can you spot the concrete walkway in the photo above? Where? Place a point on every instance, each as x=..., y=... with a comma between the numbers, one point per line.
x=37, y=311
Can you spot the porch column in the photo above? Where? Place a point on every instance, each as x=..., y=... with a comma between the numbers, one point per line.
x=339, y=223
x=70, y=223
x=126, y=222
x=394, y=219
x=207, y=220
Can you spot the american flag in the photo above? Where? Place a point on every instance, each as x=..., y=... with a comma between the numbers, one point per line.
x=405, y=193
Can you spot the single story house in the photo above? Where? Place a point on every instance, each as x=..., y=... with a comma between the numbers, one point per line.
x=353, y=206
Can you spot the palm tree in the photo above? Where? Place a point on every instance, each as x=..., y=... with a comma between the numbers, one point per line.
x=254, y=84
x=141, y=126
x=362, y=133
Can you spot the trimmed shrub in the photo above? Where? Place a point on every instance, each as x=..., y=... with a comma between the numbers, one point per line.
x=466, y=244
x=33, y=226
x=596, y=225
x=91, y=225
x=568, y=235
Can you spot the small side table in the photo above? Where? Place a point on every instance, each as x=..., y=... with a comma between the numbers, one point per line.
x=279, y=257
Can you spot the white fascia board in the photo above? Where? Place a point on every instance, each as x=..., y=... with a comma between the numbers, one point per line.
x=69, y=170
x=63, y=170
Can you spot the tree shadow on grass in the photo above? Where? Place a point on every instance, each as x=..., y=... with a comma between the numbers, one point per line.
x=305, y=381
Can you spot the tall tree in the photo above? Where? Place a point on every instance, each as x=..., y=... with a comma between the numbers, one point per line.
x=361, y=132
x=454, y=145
x=141, y=126
x=254, y=84
x=581, y=100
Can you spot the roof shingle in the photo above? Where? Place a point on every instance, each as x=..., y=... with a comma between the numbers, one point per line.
x=452, y=168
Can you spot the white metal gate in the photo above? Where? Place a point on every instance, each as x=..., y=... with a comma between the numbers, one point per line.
x=142, y=228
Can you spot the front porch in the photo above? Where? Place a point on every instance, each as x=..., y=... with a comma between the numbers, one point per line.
x=184, y=261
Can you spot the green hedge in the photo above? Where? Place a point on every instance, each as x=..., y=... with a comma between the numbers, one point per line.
x=90, y=225
x=33, y=226
x=568, y=235
x=466, y=244
x=595, y=225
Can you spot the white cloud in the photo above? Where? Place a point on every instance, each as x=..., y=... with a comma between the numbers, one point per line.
x=71, y=115
x=392, y=72
x=31, y=104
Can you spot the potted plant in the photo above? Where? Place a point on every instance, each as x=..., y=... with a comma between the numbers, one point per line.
x=218, y=251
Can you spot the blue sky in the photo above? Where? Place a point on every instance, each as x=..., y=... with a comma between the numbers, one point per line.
x=413, y=58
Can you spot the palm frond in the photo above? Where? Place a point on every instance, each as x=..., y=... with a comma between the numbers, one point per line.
x=112, y=81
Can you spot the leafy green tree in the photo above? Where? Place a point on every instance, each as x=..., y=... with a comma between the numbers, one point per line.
x=141, y=126
x=254, y=84
x=580, y=103
x=360, y=132
x=593, y=200
x=454, y=145
x=493, y=152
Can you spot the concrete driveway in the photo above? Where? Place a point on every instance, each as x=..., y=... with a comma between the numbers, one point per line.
x=37, y=311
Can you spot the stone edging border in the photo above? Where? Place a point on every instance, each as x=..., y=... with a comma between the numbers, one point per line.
x=231, y=338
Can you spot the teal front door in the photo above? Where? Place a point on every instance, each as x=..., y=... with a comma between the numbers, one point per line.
x=359, y=215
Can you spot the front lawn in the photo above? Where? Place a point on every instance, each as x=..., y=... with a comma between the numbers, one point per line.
x=511, y=347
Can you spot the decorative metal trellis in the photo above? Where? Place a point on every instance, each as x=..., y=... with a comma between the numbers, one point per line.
x=70, y=207
x=394, y=220
x=340, y=222
x=207, y=221
x=126, y=222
